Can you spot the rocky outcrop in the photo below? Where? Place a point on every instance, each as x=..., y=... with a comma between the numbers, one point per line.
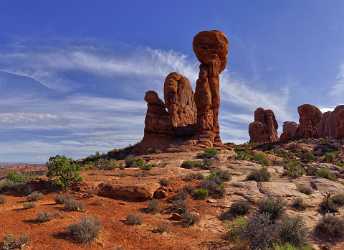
x=180, y=103
x=211, y=49
x=310, y=117
x=264, y=128
x=289, y=131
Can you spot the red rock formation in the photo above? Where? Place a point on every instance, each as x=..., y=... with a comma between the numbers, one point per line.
x=157, y=118
x=180, y=103
x=211, y=49
x=337, y=122
x=264, y=128
x=289, y=131
x=324, y=126
x=310, y=117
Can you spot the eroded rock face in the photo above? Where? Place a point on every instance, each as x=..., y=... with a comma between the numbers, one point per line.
x=289, y=131
x=211, y=49
x=157, y=118
x=310, y=117
x=338, y=114
x=264, y=128
x=180, y=103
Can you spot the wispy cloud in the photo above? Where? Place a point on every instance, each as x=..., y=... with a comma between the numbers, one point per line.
x=337, y=89
x=78, y=124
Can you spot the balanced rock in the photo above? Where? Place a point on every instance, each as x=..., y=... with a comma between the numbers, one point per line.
x=289, y=131
x=264, y=128
x=310, y=117
x=180, y=103
x=211, y=49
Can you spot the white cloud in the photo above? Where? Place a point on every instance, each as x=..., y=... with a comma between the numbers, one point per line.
x=97, y=123
x=337, y=89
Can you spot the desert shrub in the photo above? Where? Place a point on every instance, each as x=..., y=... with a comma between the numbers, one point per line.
x=330, y=157
x=133, y=220
x=259, y=175
x=328, y=205
x=105, y=164
x=215, y=189
x=177, y=206
x=330, y=228
x=16, y=177
x=10, y=242
x=64, y=171
x=209, y=153
x=294, y=169
x=28, y=205
x=243, y=153
x=261, y=158
x=73, y=205
x=238, y=208
x=274, y=207
x=220, y=175
x=260, y=232
x=325, y=173
x=34, y=196
x=164, y=182
x=307, y=157
x=193, y=176
x=133, y=162
x=299, y=204
x=189, y=219
x=191, y=164
x=305, y=189
x=293, y=231
x=200, y=194
x=43, y=217
x=236, y=228
x=85, y=231
x=161, y=228
x=147, y=166
x=60, y=198
x=2, y=200
x=338, y=199
x=288, y=246
x=152, y=207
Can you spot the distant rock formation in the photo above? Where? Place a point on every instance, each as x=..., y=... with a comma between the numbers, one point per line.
x=332, y=123
x=310, y=117
x=211, y=49
x=180, y=103
x=264, y=128
x=289, y=131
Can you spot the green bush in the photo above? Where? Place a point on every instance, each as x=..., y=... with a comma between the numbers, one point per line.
x=73, y=205
x=10, y=242
x=193, y=176
x=34, y=196
x=243, y=153
x=64, y=171
x=307, y=157
x=164, y=182
x=236, y=228
x=106, y=164
x=259, y=175
x=205, y=164
x=294, y=169
x=238, y=208
x=133, y=162
x=200, y=194
x=220, y=175
x=326, y=173
x=215, y=189
x=261, y=158
x=293, y=231
x=209, y=153
x=330, y=228
x=274, y=207
x=133, y=220
x=16, y=177
x=330, y=157
x=288, y=246
x=85, y=231
x=147, y=166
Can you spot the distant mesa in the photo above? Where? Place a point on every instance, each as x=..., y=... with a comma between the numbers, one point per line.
x=312, y=124
x=186, y=119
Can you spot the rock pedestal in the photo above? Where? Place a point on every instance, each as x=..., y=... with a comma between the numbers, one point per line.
x=310, y=117
x=211, y=49
x=289, y=131
x=264, y=128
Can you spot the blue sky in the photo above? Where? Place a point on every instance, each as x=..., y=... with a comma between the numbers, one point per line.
x=73, y=73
